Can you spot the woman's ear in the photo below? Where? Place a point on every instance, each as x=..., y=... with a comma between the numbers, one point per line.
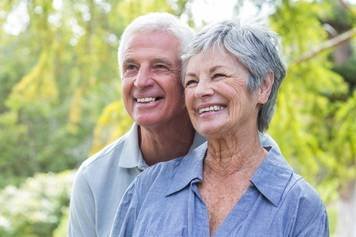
x=265, y=88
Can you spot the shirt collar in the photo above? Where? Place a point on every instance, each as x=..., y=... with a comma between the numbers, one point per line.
x=131, y=153
x=188, y=168
x=277, y=172
x=273, y=169
x=197, y=141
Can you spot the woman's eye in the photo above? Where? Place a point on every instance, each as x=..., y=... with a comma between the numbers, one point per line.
x=190, y=83
x=219, y=76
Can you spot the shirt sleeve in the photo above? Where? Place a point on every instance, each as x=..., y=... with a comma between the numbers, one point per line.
x=126, y=214
x=82, y=209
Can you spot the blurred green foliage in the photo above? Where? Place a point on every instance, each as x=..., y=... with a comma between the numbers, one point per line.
x=60, y=99
x=59, y=75
x=315, y=110
x=59, y=88
x=36, y=207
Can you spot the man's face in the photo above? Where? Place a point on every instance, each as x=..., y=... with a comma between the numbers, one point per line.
x=151, y=86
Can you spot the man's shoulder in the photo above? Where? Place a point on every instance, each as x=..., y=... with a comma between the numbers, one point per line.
x=98, y=187
x=108, y=155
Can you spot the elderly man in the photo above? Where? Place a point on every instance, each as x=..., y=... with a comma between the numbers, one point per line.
x=149, y=60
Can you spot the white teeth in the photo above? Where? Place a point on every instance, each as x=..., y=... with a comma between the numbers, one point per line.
x=210, y=108
x=146, y=100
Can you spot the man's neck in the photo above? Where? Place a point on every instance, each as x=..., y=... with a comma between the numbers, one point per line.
x=167, y=141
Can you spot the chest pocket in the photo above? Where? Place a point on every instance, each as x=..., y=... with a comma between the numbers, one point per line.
x=165, y=231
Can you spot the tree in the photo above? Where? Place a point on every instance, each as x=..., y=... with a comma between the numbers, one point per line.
x=59, y=76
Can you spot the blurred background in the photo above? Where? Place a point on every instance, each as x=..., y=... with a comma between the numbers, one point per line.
x=60, y=97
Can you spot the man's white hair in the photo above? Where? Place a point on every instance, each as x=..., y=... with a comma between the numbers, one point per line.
x=156, y=22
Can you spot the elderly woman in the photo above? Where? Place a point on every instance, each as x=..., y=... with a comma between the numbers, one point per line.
x=231, y=185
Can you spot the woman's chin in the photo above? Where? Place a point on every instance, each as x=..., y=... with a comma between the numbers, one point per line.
x=211, y=131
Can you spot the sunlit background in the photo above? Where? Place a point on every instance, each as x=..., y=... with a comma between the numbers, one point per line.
x=60, y=98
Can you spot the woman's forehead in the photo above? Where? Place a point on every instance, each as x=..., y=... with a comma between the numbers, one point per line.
x=213, y=57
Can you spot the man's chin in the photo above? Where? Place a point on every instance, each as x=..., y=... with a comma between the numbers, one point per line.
x=149, y=121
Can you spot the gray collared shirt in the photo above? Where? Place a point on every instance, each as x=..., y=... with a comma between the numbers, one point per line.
x=100, y=183
x=165, y=201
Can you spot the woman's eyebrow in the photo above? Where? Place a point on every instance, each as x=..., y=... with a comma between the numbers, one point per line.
x=215, y=68
x=190, y=74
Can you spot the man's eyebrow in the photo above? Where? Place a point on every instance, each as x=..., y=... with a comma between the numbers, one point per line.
x=129, y=60
x=162, y=60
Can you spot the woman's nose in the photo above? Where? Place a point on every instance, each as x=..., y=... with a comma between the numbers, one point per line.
x=203, y=89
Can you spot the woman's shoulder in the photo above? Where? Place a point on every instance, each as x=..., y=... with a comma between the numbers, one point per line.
x=304, y=193
x=164, y=171
x=161, y=169
x=156, y=175
x=297, y=192
x=160, y=176
x=297, y=189
x=306, y=208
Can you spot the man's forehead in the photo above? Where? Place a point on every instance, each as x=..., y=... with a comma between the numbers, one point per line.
x=157, y=46
x=157, y=35
x=137, y=55
x=130, y=58
x=158, y=41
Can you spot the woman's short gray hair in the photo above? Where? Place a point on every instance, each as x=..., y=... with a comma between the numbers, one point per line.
x=156, y=21
x=255, y=47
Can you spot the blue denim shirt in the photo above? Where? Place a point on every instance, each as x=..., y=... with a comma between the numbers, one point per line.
x=165, y=201
x=103, y=178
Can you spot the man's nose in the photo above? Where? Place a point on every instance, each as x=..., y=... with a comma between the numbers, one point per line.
x=143, y=78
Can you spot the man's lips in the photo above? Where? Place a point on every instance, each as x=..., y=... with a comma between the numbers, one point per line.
x=146, y=100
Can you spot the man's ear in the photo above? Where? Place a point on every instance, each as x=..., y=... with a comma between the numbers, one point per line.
x=265, y=88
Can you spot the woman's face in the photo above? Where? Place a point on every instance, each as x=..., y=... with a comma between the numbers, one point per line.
x=216, y=95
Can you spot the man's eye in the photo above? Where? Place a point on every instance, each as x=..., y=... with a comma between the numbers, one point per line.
x=160, y=68
x=130, y=69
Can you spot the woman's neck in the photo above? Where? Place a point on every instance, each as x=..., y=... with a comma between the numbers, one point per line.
x=230, y=154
